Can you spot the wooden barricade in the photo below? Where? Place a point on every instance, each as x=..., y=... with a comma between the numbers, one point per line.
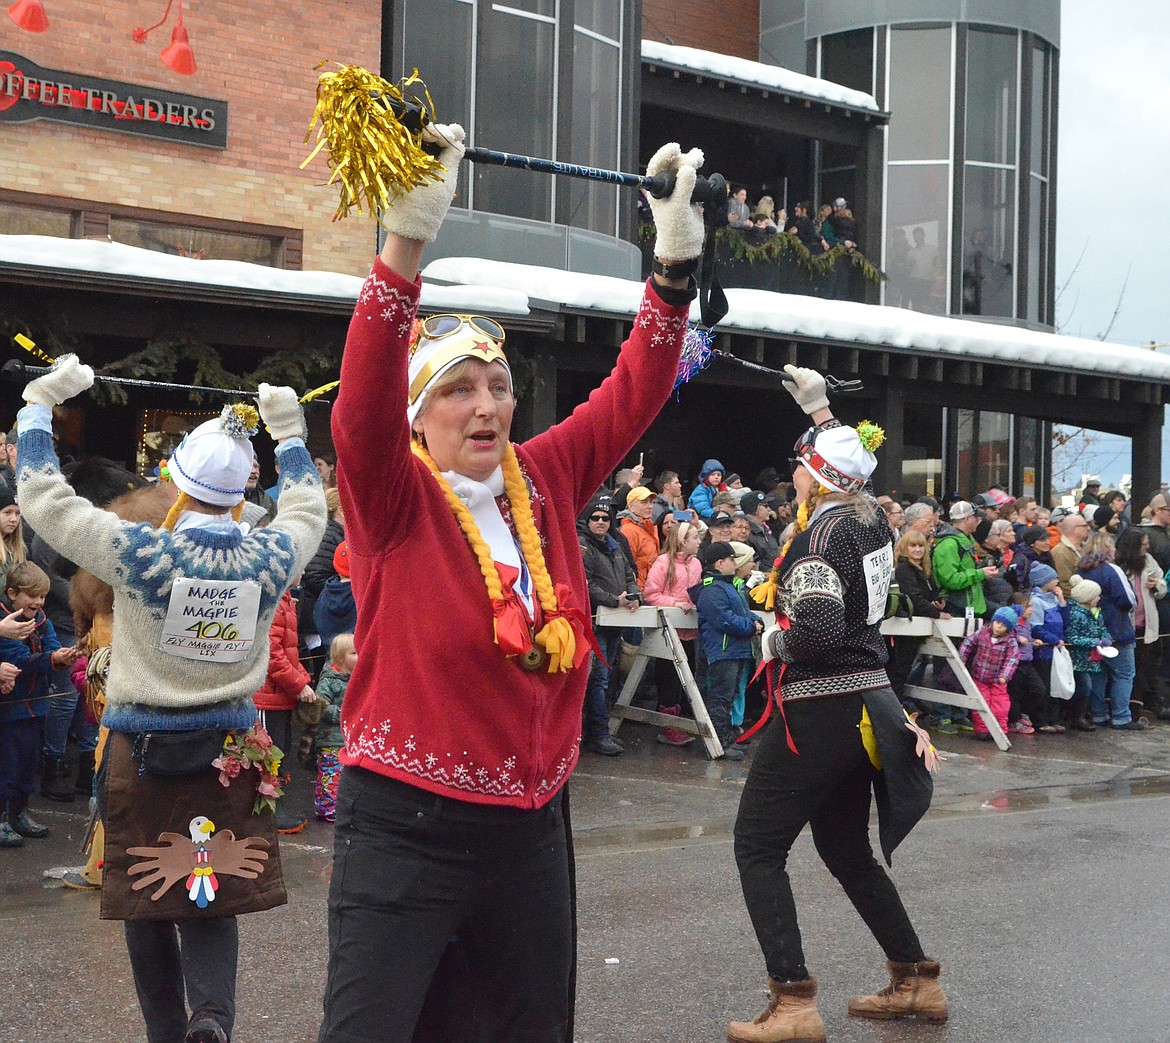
x=938, y=640
x=660, y=640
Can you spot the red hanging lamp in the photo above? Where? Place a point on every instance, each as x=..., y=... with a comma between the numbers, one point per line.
x=178, y=54
x=29, y=15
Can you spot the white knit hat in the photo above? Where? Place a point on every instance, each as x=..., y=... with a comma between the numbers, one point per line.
x=1084, y=590
x=838, y=460
x=430, y=359
x=743, y=553
x=213, y=462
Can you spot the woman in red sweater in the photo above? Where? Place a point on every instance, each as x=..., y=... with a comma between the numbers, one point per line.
x=462, y=719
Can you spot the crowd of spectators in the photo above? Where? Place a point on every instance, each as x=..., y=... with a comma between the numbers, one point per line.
x=990, y=557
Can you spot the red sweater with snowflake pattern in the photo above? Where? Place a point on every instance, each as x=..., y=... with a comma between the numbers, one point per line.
x=433, y=702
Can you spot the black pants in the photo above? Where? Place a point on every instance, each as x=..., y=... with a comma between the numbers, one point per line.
x=201, y=956
x=828, y=786
x=722, y=688
x=464, y=906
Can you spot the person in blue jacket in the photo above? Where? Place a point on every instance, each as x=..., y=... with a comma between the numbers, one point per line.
x=710, y=480
x=726, y=629
x=1049, y=615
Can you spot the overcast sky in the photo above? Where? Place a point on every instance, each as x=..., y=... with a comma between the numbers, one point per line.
x=1113, y=156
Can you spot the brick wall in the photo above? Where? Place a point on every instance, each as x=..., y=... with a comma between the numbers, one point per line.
x=728, y=27
x=257, y=58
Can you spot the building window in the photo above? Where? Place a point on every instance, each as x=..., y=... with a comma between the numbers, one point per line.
x=184, y=235
x=920, y=94
x=1038, y=195
x=597, y=124
x=516, y=104
x=847, y=59
x=438, y=40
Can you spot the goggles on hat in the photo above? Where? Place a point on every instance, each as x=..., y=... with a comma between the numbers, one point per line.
x=441, y=327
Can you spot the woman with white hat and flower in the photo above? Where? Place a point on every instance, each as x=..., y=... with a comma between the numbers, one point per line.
x=839, y=722
x=462, y=719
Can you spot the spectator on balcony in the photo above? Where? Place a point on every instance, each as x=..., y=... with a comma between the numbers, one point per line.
x=921, y=269
x=801, y=226
x=765, y=214
x=738, y=211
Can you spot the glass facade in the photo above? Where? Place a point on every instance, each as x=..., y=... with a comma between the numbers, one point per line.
x=554, y=88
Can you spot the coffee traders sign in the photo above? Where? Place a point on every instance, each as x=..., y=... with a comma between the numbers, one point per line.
x=28, y=92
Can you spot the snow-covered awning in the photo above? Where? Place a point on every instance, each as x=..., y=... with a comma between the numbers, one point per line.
x=756, y=74
x=533, y=293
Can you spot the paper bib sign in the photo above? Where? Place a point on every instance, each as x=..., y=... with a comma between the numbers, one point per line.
x=210, y=620
x=878, y=567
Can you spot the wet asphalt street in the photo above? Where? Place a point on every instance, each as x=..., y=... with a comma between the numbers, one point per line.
x=1036, y=879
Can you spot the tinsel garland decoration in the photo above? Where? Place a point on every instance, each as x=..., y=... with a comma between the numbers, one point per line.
x=696, y=354
x=372, y=153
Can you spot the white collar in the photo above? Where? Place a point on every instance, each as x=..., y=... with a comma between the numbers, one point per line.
x=199, y=520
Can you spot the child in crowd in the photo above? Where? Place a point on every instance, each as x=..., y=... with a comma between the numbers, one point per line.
x=1085, y=634
x=1024, y=688
x=336, y=611
x=1047, y=619
x=726, y=627
x=991, y=656
x=26, y=702
x=745, y=566
x=331, y=687
x=286, y=685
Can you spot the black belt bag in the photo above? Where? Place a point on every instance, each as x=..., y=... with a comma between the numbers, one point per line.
x=177, y=753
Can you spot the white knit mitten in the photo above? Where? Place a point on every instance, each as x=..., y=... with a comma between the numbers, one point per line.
x=677, y=221
x=417, y=214
x=807, y=386
x=281, y=412
x=67, y=378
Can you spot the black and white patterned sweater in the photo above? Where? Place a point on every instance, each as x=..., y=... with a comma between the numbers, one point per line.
x=833, y=587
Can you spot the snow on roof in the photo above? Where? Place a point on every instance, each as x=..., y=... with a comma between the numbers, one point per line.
x=499, y=288
x=792, y=315
x=101, y=257
x=757, y=74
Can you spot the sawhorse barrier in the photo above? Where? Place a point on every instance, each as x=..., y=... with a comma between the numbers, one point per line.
x=660, y=640
x=937, y=635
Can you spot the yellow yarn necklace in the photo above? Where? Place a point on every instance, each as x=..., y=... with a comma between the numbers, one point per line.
x=557, y=637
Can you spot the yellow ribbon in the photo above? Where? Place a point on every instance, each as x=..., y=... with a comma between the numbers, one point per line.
x=324, y=389
x=31, y=347
x=558, y=639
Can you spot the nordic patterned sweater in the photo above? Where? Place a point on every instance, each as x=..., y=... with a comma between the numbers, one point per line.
x=149, y=689
x=834, y=581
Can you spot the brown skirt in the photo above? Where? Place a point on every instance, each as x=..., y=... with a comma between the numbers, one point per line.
x=154, y=870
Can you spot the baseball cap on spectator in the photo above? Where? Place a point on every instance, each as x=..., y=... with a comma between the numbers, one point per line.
x=839, y=202
x=982, y=501
x=725, y=499
x=961, y=509
x=639, y=492
x=718, y=518
x=998, y=497
x=1033, y=534
x=1040, y=574
x=1093, y=483
x=715, y=551
x=1058, y=514
x=341, y=560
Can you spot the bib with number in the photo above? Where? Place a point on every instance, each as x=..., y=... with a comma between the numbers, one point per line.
x=211, y=620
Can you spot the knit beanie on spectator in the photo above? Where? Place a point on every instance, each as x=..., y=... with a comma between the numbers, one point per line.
x=1084, y=591
x=213, y=462
x=6, y=497
x=1006, y=616
x=341, y=560
x=1041, y=574
x=982, y=531
x=1033, y=534
x=743, y=553
x=1102, y=516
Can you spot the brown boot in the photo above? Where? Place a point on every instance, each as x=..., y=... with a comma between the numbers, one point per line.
x=913, y=991
x=791, y=1017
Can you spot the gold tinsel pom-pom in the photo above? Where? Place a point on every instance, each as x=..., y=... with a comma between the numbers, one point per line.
x=372, y=153
x=871, y=435
x=240, y=420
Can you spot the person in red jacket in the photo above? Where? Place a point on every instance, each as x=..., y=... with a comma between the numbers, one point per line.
x=286, y=684
x=462, y=719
